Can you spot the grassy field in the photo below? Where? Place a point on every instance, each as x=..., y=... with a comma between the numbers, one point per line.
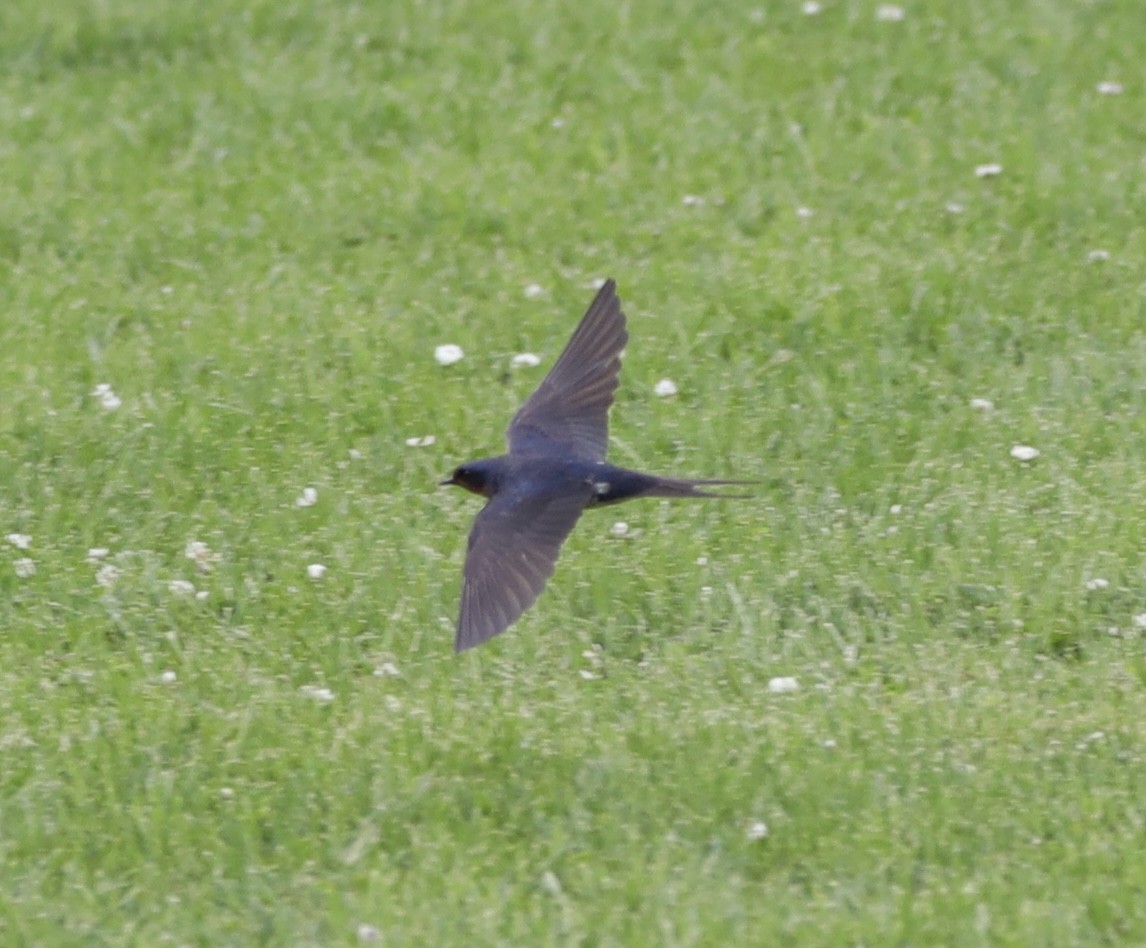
x=874, y=252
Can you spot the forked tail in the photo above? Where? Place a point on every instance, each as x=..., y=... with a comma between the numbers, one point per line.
x=615, y=484
x=676, y=487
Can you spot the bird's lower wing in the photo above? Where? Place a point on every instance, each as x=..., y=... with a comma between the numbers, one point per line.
x=512, y=552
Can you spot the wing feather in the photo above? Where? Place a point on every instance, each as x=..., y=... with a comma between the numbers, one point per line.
x=512, y=552
x=569, y=411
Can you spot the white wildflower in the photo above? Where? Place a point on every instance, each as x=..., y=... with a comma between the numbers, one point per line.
x=757, y=830
x=107, y=575
x=619, y=529
x=890, y=13
x=201, y=553
x=783, y=685
x=324, y=695
x=24, y=567
x=534, y=291
x=168, y=678
x=665, y=388
x=181, y=587
x=1024, y=452
x=423, y=442
x=308, y=497
x=989, y=170
x=1109, y=88
x=21, y=541
x=1097, y=584
x=982, y=404
x=448, y=354
x=316, y=571
x=107, y=398
x=525, y=360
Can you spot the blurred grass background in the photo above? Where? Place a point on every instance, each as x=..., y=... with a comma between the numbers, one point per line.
x=255, y=221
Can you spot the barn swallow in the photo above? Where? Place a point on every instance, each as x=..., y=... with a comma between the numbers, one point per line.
x=554, y=470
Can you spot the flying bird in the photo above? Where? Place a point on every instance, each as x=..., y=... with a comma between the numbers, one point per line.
x=554, y=470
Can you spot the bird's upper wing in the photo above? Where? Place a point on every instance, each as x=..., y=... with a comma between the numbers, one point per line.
x=569, y=412
x=512, y=551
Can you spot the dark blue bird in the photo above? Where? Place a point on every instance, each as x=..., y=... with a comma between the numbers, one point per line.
x=554, y=470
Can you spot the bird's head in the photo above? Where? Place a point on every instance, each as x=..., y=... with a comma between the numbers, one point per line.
x=477, y=477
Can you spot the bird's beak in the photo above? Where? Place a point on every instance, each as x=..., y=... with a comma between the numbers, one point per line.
x=447, y=482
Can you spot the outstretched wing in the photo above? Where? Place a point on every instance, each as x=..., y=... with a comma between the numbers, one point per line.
x=513, y=549
x=569, y=412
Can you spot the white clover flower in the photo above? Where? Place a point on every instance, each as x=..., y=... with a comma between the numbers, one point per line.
x=702, y=561
x=202, y=595
x=783, y=686
x=982, y=404
x=168, y=678
x=896, y=509
x=1097, y=584
x=989, y=170
x=107, y=398
x=1140, y=621
x=1024, y=452
x=387, y=670
x=525, y=360
x=21, y=541
x=25, y=568
x=107, y=575
x=804, y=213
x=757, y=830
x=201, y=553
x=181, y=587
x=811, y=8
x=423, y=442
x=448, y=354
x=308, y=497
x=619, y=529
x=226, y=793
x=890, y=13
x=97, y=553
x=954, y=207
x=324, y=695
x=534, y=291
x=665, y=388
x=1109, y=88
x=316, y=571
x=368, y=933
x=692, y=200
x=1098, y=256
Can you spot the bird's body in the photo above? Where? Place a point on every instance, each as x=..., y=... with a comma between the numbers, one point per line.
x=554, y=470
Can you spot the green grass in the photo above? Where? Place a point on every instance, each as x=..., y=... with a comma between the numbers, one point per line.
x=255, y=221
